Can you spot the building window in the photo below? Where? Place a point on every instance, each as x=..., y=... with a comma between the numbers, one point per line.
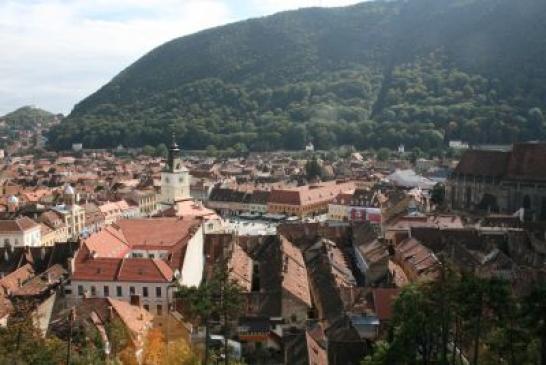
x=158, y=292
x=93, y=291
x=146, y=306
x=132, y=290
x=80, y=290
x=119, y=291
x=152, y=256
x=145, y=291
x=106, y=291
x=159, y=309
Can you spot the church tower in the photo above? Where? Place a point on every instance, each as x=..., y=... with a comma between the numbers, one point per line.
x=175, y=178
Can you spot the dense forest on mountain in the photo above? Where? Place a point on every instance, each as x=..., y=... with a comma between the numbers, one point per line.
x=28, y=117
x=377, y=74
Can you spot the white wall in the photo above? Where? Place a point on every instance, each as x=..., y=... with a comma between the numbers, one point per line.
x=152, y=301
x=31, y=237
x=194, y=261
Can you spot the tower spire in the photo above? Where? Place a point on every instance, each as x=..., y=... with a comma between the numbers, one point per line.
x=173, y=144
x=174, y=155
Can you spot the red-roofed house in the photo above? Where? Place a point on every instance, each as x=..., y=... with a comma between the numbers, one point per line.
x=139, y=257
x=20, y=232
x=306, y=200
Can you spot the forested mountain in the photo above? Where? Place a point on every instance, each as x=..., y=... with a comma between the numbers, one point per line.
x=28, y=117
x=380, y=73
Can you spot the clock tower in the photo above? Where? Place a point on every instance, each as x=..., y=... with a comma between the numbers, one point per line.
x=175, y=178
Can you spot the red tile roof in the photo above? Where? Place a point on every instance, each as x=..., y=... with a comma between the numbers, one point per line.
x=483, y=163
x=383, y=299
x=157, y=232
x=17, y=225
x=12, y=281
x=306, y=195
x=144, y=270
x=125, y=269
x=294, y=272
x=103, y=255
x=526, y=161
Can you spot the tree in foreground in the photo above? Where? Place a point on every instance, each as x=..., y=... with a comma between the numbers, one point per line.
x=464, y=319
x=218, y=299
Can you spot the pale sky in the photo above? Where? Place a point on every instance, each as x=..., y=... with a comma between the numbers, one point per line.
x=56, y=52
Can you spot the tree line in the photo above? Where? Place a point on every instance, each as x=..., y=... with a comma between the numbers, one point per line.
x=465, y=319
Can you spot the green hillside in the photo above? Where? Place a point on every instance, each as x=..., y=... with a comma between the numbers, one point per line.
x=417, y=72
x=28, y=117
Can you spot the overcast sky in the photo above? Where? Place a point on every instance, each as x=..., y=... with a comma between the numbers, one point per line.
x=56, y=52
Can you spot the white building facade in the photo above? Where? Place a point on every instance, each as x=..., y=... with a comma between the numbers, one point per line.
x=175, y=179
x=20, y=232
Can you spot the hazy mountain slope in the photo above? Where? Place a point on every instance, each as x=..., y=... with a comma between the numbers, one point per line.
x=376, y=74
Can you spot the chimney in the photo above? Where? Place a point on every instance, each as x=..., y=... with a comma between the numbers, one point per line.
x=110, y=313
x=135, y=300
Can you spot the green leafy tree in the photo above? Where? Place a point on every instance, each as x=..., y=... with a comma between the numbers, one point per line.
x=216, y=299
x=148, y=150
x=534, y=311
x=161, y=150
x=438, y=194
x=313, y=169
x=383, y=154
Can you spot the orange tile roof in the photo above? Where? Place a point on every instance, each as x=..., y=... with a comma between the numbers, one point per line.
x=144, y=270
x=103, y=255
x=383, y=299
x=156, y=232
x=137, y=319
x=12, y=281
x=109, y=242
x=240, y=268
x=306, y=195
x=295, y=278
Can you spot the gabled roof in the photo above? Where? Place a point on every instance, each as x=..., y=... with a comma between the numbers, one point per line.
x=527, y=161
x=483, y=163
x=13, y=281
x=305, y=195
x=137, y=319
x=240, y=267
x=157, y=232
x=144, y=270
x=17, y=225
x=126, y=269
x=294, y=278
